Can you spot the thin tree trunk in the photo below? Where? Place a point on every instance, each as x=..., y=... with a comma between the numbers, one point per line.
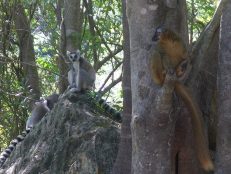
x=71, y=25
x=26, y=52
x=123, y=160
x=62, y=62
x=89, y=8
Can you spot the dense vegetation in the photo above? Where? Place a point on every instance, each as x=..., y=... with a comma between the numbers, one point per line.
x=100, y=39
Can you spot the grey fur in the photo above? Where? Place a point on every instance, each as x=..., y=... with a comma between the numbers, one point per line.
x=37, y=114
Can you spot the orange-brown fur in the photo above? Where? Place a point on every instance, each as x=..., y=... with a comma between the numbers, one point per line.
x=173, y=47
x=169, y=54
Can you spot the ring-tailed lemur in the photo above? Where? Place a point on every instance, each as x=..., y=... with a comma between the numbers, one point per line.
x=39, y=111
x=82, y=75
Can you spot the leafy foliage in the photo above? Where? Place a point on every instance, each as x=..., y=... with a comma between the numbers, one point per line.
x=102, y=47
x=101, y=41
x=200, y=13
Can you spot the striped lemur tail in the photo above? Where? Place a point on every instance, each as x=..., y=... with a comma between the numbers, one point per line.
x=39, y=111
x=115, y=114
x=6, y=153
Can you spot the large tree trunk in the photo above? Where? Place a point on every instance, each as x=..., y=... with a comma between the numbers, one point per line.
x=123, y=160
x=223, y=160
x=26, y=52
x=152, y=119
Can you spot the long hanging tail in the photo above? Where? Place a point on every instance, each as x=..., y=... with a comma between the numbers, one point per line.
x=6, y=153
x=202, y=150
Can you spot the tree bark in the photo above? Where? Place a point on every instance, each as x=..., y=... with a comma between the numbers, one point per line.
x=73, y=24
x=223, y=159
x=26, y=52
x=123, y=160
x=62, y=61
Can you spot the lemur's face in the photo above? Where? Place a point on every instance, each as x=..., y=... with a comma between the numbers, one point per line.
x=74, y=56
x=157, y=34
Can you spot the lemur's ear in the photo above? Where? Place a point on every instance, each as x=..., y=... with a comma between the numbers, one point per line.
x=78, y=51
x=82, y=55
x=157, y=33
x=68, y=53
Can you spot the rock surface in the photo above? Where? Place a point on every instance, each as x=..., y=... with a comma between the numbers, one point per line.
x=72, y=139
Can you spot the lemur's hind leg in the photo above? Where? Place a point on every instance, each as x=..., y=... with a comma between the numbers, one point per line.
x=71, y=78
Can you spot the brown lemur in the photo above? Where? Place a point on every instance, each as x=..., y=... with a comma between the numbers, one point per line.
x=170, y=54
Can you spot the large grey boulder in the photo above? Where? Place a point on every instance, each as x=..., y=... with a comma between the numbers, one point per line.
x=74, y=138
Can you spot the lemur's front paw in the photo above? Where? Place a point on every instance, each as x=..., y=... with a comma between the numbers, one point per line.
x=71, y=86
x=183, y=70
x=75, y=90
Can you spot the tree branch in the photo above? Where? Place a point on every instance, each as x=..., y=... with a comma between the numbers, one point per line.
x=107, y=58
x=108, y=88
x=91, y=26
x=108, y=77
